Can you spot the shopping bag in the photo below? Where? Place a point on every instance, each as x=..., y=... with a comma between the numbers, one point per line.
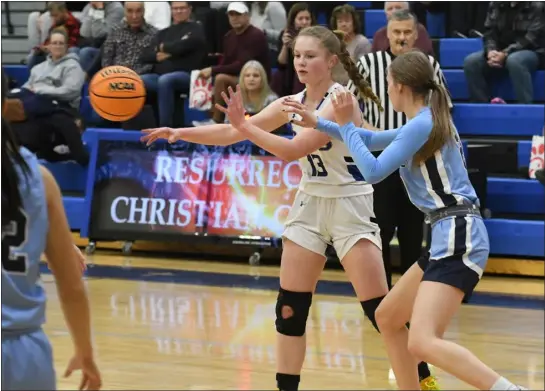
x=200, y=92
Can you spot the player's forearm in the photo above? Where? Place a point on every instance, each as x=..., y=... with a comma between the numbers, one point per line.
x=75, y=306
x=364, y=159
x=333, y=130
x=279, y=146
x=374, y=140
x=218, y=134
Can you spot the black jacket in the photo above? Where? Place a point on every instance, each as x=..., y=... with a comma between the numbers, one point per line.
x=184, y=41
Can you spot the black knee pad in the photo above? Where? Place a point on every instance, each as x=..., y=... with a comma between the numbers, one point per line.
x=292, y=312
x=370, y=307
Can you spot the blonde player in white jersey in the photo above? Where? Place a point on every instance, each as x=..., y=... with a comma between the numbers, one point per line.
x=334, y=205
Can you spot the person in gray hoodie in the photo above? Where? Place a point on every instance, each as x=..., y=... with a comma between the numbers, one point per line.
x=60, y=76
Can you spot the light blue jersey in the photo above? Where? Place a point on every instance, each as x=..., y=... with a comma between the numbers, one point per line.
x=440, y=182
x=27, y=362
x=23, y=243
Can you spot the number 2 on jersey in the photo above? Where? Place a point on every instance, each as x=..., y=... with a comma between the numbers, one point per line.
x=13, y=237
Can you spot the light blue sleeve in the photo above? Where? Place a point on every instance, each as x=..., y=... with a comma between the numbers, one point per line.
x=375, y=141
x=409, y=139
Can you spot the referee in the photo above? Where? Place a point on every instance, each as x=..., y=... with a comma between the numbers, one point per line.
x=393, y=209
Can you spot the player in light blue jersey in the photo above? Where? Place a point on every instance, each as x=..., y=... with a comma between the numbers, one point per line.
x=31, y=205
x=429, y=154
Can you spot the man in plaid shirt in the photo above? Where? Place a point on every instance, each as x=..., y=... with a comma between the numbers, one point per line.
x=127, y=40
x=514, y=40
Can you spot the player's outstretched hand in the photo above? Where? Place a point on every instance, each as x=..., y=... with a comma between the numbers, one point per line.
x=343, y=107
x=308, y=118
x=235, y=107
x=152, y=135
x=91, y=379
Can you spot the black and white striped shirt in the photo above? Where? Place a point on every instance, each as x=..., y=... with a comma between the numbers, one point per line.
x=373, y=67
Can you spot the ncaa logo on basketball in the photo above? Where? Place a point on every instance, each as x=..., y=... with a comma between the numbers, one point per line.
x=121, y=86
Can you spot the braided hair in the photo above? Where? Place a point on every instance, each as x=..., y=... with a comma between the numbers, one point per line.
x=333, y=41
x=348, y=64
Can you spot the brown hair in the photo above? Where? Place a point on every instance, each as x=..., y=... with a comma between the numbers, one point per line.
x=413, y=69
x=294, y=11
x=59, y=6
x=60, y=31
x=345, y=9
x=333, y=41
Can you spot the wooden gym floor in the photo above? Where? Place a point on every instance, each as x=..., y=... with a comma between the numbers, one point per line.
x=182, y=325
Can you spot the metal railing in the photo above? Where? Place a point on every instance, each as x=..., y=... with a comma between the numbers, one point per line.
x=6, y=12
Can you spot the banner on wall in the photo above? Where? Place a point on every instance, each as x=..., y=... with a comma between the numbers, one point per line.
x=238, y=192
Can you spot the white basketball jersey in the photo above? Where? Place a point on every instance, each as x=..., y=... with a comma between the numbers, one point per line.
x=330, y=171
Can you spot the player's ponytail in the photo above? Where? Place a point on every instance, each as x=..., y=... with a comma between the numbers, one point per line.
x=442, y=124
x=333, y=41
x=365, y=90
x=11, y=157
x=413, y=69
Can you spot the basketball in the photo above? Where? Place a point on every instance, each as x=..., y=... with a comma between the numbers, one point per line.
x=117, y=93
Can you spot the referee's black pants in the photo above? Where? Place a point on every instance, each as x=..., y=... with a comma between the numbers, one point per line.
x=393, y=209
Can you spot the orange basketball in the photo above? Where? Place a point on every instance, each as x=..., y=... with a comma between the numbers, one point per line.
x=117, y=93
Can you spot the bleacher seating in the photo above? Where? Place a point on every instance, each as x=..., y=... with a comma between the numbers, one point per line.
x=514, y=200
x=498, y=120
x=457, y=86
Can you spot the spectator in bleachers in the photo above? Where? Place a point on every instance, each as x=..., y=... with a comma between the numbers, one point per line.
x=60, y=18
x=174, y=53
x=392, y=206
x=47, y=105
x=285, y=81
x=381, y=42
x=124, y=45
x=514, y=43
x=60, y=76
x=38, y=27
x=98, y=18
x=157, y=13
x=270, y=17
x=254, y=85
x=346, y=19
x=242, y=43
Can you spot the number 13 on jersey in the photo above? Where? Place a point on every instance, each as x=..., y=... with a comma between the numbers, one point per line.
x=318, y=168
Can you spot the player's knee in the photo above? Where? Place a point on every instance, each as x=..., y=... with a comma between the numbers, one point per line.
x=386, y=317
x=370, y=310
x=421, y=346
x=292, y=310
